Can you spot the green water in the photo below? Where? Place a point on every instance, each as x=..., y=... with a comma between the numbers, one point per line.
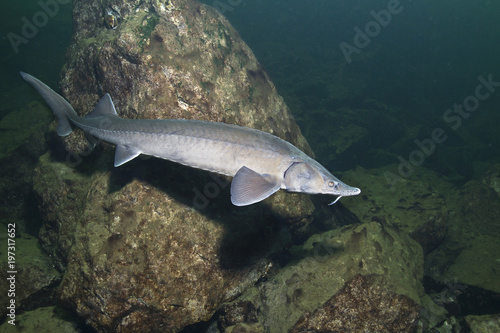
x=34, y=40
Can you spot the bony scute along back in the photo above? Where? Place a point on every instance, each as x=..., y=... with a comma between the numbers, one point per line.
x=265, y=165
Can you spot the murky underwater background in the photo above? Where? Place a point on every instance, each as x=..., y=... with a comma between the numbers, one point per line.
x=425, y=60
x=414, y=98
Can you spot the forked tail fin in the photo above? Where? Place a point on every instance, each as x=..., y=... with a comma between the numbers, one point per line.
x=62, y=109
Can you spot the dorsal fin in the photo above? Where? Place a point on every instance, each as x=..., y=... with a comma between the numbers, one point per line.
x=105, y=107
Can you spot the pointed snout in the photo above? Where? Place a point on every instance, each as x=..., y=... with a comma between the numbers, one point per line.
x=351, y=191
x=346, y=190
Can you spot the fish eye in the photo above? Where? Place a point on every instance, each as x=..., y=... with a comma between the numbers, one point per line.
x=330, y=183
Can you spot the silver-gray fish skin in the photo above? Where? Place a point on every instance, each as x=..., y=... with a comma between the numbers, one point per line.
x=260, y=163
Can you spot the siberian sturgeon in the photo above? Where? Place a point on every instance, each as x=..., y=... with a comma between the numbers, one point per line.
x=260, y=163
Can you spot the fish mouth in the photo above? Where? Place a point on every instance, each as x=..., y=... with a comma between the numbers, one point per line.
x=347, y=193
x=351, y=191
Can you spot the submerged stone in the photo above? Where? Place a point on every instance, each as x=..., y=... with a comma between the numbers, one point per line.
x=35, y=279
x=417, y=206
x=362, y=305
x=44, y=319
x=483, y=324
x=470, y=253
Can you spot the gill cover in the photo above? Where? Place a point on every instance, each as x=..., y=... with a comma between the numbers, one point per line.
x=301, y=177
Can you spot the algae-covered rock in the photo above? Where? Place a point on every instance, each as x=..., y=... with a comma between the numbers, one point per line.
x=476, y=264
x=23, y=127
x=472, y=239
x=417, y=205
x=42, y=320
x=483, y=324
x=21, y=143
x=174, y=59
x=457, y=226
x=469, y=254
x=239, y=317
x=362, y=305
x=431, y=314
x=327, y=262
x=492, y=178
x=137, y=258
x=34, y=278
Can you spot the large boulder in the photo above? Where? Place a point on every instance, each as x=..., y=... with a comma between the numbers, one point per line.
x=362, y=297
x=170, y=59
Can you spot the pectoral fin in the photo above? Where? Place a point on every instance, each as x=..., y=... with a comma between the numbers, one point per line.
x=124, y=154
x=249, y=187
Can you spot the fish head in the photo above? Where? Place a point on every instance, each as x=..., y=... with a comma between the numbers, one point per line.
x=312, y=178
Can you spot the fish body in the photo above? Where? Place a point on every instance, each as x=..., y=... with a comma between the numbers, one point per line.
x=260, y=163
